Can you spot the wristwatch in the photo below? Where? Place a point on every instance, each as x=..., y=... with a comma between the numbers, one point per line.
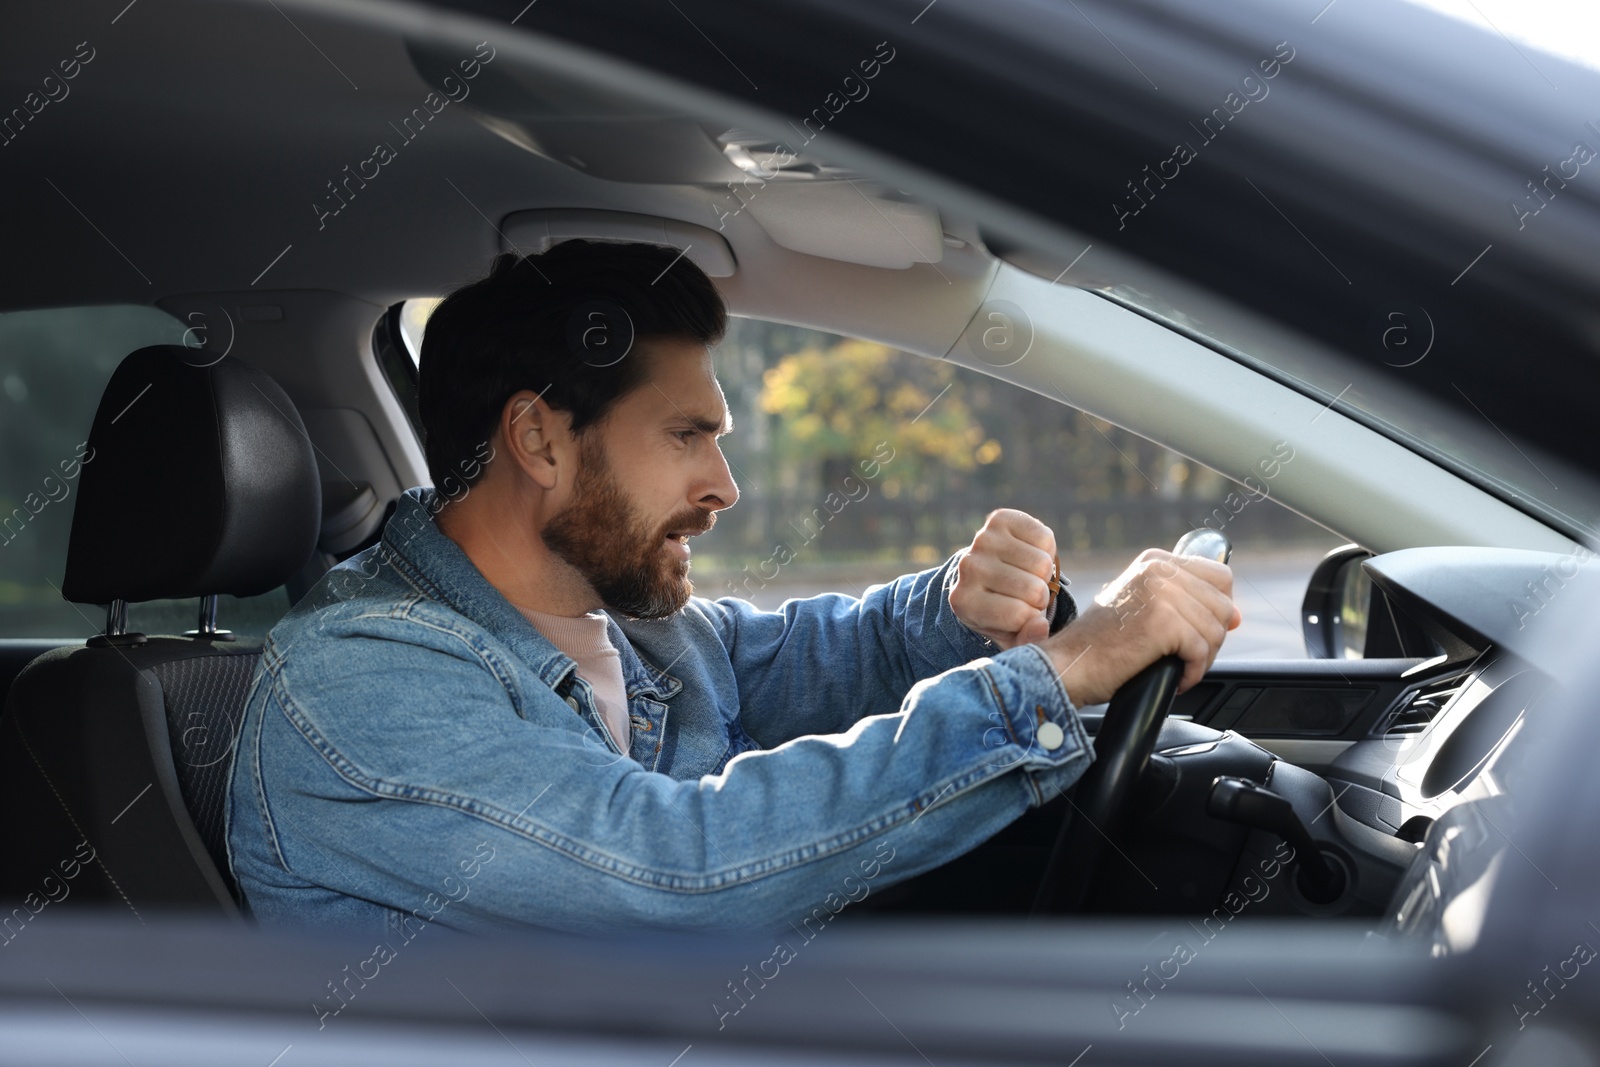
x=1062, y=608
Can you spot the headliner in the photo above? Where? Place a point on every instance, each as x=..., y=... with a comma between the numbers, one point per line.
x=189, y=152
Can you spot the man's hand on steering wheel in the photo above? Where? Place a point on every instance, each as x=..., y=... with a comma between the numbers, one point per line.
x=1162, y=604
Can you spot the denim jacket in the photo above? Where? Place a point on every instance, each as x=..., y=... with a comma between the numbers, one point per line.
x=413, y=751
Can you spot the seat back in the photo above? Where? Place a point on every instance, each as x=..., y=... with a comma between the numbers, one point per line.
x=115, y=755
x=128, y=776
x=203, y=697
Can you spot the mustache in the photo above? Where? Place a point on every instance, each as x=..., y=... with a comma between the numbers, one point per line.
x=695, y=522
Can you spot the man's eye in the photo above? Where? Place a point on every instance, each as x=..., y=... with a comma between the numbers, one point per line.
x=685, y=435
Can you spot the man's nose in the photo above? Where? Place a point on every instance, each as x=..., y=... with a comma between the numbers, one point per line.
x=721, y=492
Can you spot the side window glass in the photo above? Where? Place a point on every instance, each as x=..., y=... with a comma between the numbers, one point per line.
x=54, y=363
x=397, y=346
x=857, y=463
x=414, y=321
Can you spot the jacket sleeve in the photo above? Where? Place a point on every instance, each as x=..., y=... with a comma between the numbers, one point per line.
x=819, y=664
x=353, y=789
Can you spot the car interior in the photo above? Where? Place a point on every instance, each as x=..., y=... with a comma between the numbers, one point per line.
x=281, y=192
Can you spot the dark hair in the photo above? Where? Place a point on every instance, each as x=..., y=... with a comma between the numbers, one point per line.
x=563, y=324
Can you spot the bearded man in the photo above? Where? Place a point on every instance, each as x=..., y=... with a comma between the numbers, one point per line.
x=512, y=711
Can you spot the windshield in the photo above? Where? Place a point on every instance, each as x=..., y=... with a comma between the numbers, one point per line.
x=1448, y=415
x=1470, y=381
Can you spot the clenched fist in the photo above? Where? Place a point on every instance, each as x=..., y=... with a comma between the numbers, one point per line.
x=1003, y=582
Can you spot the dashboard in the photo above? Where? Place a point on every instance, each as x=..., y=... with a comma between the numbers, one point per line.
x=1435, y=750
x=1445, y=766
x=1402, y=771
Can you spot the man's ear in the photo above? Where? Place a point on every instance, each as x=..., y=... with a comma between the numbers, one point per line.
x=536, y=437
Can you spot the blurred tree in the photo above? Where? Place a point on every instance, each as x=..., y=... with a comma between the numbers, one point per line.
x=810, y=406
x=836, y=403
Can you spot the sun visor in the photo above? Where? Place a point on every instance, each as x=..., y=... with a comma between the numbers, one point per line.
x=535, y=232
x=851, y=221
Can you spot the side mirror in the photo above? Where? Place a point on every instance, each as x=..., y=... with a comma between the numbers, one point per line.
x=1337, y=609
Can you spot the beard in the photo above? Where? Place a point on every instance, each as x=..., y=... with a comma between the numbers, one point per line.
x=622, y=555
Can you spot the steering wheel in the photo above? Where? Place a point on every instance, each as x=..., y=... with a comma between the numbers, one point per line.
x=1122, y=749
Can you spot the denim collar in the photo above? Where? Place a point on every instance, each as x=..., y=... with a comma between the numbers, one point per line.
x=437, y=566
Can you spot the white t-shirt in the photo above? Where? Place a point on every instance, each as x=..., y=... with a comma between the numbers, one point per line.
x=599, y=663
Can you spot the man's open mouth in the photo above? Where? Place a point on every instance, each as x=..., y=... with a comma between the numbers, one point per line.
x=683, y=533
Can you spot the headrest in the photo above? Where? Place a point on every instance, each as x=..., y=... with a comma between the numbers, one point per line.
x=198, y=480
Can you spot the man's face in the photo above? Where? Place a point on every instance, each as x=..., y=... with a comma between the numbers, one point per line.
x=652, y=475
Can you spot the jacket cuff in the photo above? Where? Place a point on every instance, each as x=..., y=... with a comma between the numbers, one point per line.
x=1050, y=742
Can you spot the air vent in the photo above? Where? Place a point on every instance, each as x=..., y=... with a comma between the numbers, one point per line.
x=1414, y=716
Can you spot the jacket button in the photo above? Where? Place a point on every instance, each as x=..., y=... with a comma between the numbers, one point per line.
x=1051, y=736
x=572, y=702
